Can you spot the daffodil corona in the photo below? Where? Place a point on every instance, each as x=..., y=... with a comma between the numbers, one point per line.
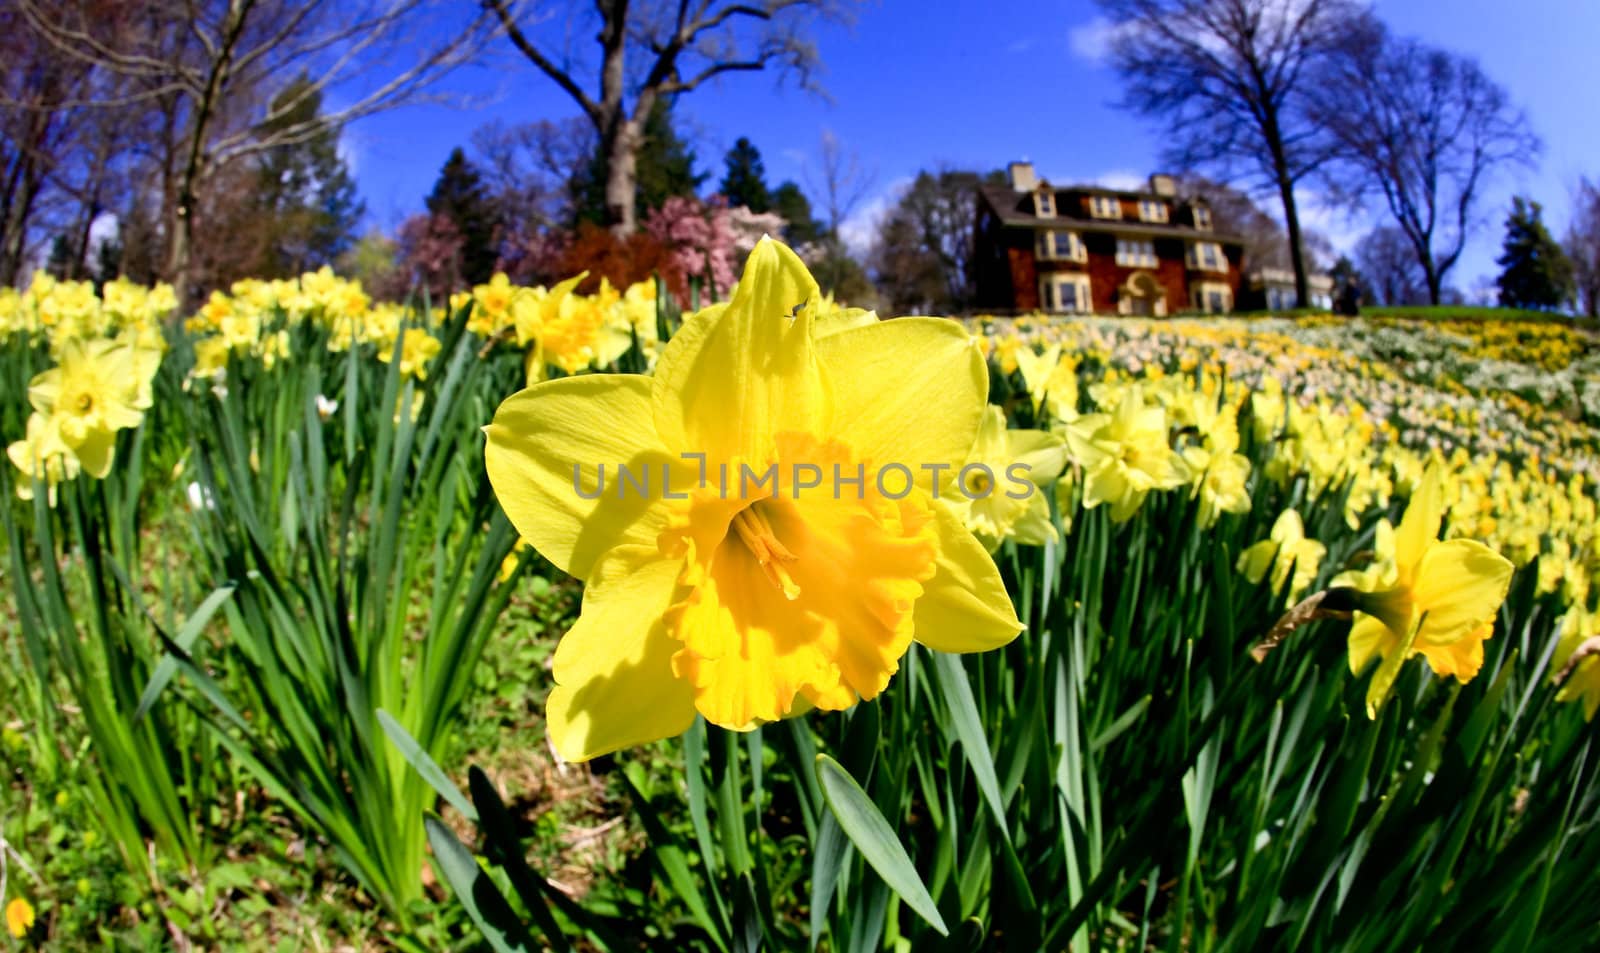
x=751, y=601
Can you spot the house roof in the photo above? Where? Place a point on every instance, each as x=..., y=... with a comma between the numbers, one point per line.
x=1014, y=209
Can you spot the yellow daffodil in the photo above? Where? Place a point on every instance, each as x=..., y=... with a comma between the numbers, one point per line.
x=1578, y=626
x=746, y=600
x=1125, y=455
x=92, y=394
x=19, y=917
x=1285, y=549
x=1423, y=597
x=417, y=348
x=42, y=456
x=997, y=489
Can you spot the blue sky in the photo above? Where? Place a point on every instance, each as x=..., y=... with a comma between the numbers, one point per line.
x=914, y=85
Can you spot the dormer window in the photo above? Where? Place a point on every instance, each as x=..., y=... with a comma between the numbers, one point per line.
x=1060, y=246
x=1202, y=218
x=1151, y=210
x=1044, y=203
x=1104, y=206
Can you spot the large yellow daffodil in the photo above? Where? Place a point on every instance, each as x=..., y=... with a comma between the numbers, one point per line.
x=1423, y=596
x=741, y=600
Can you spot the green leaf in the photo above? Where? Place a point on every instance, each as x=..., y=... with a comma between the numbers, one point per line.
x=185, y=639
x=864, y=824
x=426, y=766
x=473, y=886
x=952, y=679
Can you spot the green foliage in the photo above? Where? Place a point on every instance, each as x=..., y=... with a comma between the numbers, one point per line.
x=1537, y=274
x=1124, y=776
x=744, y=182
x=801, y=226
x=305, y=197
x=460, y=196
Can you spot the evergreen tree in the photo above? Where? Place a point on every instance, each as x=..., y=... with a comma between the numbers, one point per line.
x=792, y=205
x=1536, y=273
x=459, y=196
x=745, y=181
x=665, y=169
x=305, y=199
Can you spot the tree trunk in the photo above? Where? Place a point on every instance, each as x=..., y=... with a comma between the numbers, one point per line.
x=1435, y=283
x=621, y=152
x=1291, y=214
x=178, y=250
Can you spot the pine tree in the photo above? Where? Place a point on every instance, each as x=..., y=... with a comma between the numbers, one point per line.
x=665, y=168
x=305, y=198
x=1536, y=273
x=459, y=195
x=794, y=208
x=745, y=181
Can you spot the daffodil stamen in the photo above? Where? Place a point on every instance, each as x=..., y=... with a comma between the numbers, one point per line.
x=757, y=534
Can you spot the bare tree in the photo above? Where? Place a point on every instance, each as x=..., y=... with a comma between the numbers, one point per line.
x=1235, y=214
x=923, y=251
x=1228, y=79
x=1583, y=246
x=529, y=168
x=657, y=51
x=843, y=181
x=1385, y=258
x=208, y=72
x=1422, y=128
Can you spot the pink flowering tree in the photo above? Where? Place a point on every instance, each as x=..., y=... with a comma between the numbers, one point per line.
x=707, y=240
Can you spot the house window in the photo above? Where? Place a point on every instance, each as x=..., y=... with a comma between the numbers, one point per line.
x=1202, y=218
x=1104, y=206
x=1060, y=246
x=1151, y=210
x=1044, y=204
x=1136, y=254
x=1212, y=297
x=1065, y=294
x=1207, y=256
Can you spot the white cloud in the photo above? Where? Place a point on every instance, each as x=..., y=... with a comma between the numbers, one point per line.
x=861, y=227
x=1123, y=180
x=1092, y=41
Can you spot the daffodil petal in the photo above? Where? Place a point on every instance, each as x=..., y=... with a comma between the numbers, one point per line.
x=1420, y=525
x=614, y=682
x=964, y=607
x=1369, y=637
x=910, y=391
x=1459, y=586
x=541, y=434
x=732, y=378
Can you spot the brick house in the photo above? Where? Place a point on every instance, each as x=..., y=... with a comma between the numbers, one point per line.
x=1080, y=249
